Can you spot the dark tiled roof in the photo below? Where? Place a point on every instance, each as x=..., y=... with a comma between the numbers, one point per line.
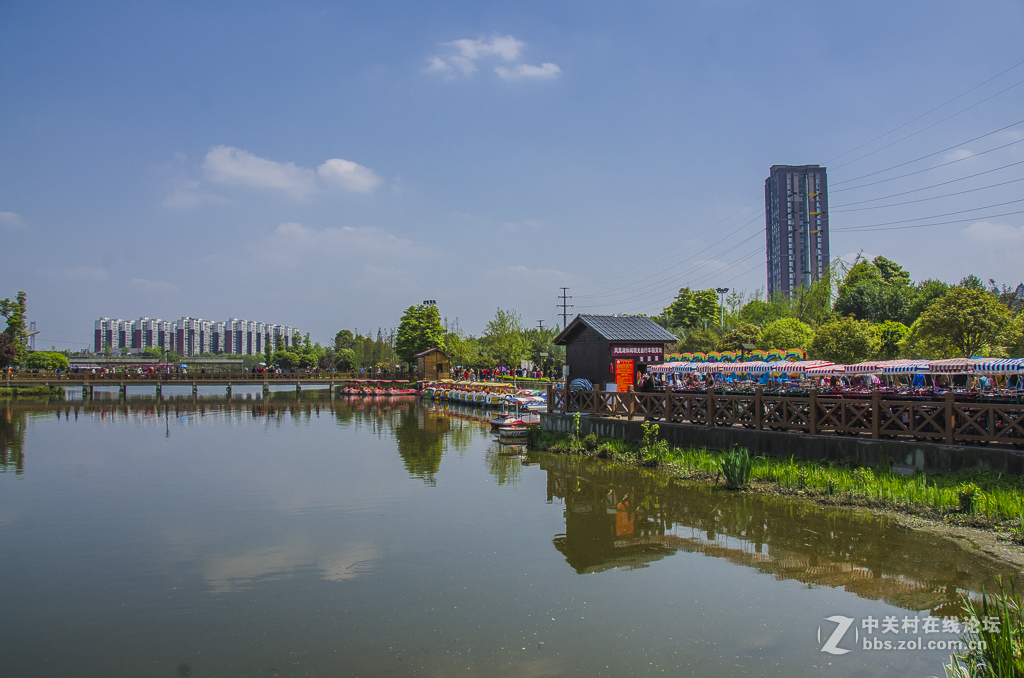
x=618, y=328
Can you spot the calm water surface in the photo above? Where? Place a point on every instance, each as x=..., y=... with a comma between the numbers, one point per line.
x=382, y=538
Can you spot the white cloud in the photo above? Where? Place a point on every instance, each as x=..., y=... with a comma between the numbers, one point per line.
x=545, y=70
x=999, y=233
x=234, y=166
x=462, y=57
x=78, y=273
x=228, y=165
x=11, y=220
x=958, y=154
x=188, y=194
x=348, y=175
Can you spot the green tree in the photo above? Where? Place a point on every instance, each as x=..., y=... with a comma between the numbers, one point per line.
x=844, y=341
x=693, y=308
x=890, y=336
x=918, y=344
x=878, y=291
x=505, y=339
x=15, y=312
x=785, y=334
x=152, y=352
x=46, y=360
x=747, y=333
x=8, y=352
x=420, y=329
x=925, y=293
x=345, y=360
x=1012, y=340
x=760, y=312
x=968, y=319
x=699, y=340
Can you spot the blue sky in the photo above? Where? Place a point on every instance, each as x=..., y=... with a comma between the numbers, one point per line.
x=325, y=165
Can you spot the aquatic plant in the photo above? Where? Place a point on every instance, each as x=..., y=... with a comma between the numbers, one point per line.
x=737, y=466
x=994, y=635
x=534, y=436
x=590, y=442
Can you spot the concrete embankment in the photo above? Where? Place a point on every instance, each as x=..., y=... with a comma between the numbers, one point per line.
x=906, y=456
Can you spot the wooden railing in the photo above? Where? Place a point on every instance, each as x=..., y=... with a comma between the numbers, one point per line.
x=945, y=421
x=239, y=377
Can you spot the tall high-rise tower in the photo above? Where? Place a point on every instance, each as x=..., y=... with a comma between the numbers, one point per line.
x=796, y=226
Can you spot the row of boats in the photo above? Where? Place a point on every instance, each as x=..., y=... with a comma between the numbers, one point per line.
x=483, y=397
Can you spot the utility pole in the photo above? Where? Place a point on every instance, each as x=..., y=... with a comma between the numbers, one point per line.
x=540, y=325
x=565, y=307
x=721, y=294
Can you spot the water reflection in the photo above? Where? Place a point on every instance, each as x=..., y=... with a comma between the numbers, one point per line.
x=12, y=440
x=625, y=518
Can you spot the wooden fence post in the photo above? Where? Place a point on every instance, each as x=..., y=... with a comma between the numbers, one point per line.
x=597, y=398
x=876, y=413
x=630, y=403
x=759, y=408
x=950, y=424
x=667, y=414
x=711, y=406
x=551, y=398
x=812, y=409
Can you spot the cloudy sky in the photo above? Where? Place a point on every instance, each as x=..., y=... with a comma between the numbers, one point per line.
x=326, y=165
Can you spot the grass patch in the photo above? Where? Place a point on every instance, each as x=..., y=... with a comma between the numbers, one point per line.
x=978, y=497
x=31, y=392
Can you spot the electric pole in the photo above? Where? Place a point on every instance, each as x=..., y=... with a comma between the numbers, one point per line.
x=565, y=307
x=540, y=325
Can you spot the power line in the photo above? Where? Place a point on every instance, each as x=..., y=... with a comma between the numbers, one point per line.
x=936, y=197
x=677, y=276
x=941, y=183
x=946, y=214
x=923, y=115
x=646, y=265
x=884, y=227
x=923, y=129
x=923, y=157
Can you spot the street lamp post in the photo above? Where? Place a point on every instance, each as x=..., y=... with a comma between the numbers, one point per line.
x=721, y=293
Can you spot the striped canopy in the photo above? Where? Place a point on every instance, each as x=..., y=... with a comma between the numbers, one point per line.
x=870, y=367
x=907, y=367
x=950, y=366
x=826, y=370
x=997, y=366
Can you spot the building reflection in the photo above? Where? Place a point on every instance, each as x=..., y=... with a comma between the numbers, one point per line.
x=627, y=519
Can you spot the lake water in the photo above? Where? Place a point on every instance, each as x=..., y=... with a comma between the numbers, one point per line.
x=267, y=538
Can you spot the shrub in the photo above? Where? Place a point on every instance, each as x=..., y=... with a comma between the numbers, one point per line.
x=590, y=442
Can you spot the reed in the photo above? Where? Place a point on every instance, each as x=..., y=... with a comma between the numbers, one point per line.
x=994, y=636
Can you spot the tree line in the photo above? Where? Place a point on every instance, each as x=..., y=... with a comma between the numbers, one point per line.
x=870, y=309
x=505, y=342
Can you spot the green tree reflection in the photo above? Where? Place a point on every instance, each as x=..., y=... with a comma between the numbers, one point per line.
x=420, y=436
x=12, y=440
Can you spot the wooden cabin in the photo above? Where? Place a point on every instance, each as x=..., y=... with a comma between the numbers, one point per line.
x=613, y=349
x=433, y=364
